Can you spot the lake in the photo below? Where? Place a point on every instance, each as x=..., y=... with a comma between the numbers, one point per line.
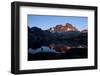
x=57, y=51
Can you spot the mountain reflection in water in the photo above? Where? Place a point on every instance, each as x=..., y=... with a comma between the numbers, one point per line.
x=57, y=51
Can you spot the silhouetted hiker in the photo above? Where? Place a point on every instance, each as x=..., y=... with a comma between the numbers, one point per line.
x=41, y=49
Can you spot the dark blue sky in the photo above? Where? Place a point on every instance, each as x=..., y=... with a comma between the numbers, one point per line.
x=45, y=22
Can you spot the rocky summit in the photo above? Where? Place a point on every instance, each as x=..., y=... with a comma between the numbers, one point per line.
x=63, y=28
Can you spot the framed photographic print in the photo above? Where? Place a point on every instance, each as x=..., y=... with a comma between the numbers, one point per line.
x=52, y=37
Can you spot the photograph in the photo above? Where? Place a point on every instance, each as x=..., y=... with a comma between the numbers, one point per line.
x=52, y=37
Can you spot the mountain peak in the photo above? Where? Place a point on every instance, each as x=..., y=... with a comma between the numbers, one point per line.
x=63, y=28
x=84, y=31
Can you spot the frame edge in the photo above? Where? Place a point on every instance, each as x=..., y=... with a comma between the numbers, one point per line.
x=14, y=38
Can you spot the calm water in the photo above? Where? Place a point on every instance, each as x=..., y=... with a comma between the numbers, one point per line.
x=57, y=51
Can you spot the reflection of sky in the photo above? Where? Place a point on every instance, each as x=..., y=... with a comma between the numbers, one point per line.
x=45, y=22
x=42, y=49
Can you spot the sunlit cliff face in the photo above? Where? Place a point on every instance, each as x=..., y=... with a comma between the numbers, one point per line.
x=68, y=29
x=63, y=28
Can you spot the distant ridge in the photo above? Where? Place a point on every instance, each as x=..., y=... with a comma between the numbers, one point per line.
x=84, y=31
